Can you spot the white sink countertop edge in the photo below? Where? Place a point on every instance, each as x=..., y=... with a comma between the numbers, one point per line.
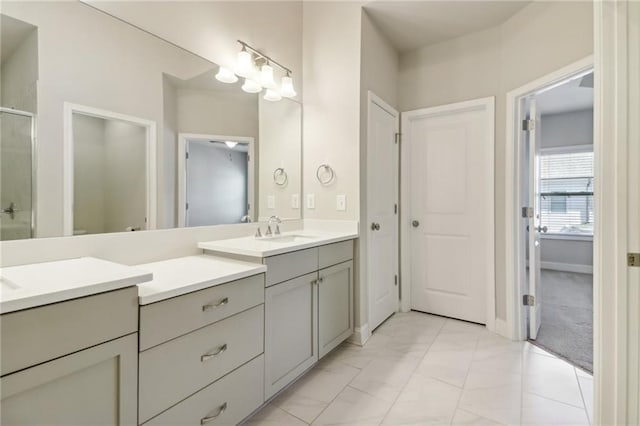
x=44, y=283
x=261, y=247
x=175, y=277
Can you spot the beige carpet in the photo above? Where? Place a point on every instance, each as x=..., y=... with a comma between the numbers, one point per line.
x=567, y=317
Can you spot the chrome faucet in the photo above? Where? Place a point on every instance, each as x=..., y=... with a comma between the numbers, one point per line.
x=277, y=221
x=246, y=218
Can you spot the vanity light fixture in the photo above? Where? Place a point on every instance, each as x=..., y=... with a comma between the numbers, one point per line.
x=251, y=86
x=286, y=88
x=255, y=81
x=231, y=144
x=272, y=95
x=225, y=75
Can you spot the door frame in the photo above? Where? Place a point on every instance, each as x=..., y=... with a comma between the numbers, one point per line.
x=34, y=162
x=68, y=164
x=182, y=171
x=515, y=325
x=372, y=98
x=487, y=104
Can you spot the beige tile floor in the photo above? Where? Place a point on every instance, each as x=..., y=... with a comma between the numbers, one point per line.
x=420, y=369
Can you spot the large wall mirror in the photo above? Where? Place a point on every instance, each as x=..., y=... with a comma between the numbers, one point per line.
x=107, y=128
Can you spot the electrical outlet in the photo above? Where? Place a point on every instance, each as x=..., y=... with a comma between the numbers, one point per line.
x=311, y=201
x=341, y=202
x=295, y=201
x=271, y=202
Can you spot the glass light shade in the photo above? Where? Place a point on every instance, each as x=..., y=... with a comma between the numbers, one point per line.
x=250, y=86
x=265, y=78
x=244, y=67
x=225, y=75
x=231, y=144
x=272, y=95
x=286, y=89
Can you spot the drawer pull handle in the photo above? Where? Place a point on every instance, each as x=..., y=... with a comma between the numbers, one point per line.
x=222, y=409
x=207, y=357
x=223, y=302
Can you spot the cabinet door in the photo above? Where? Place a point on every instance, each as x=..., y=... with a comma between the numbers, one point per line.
x=291, y=323
x=96, y=386
x=335, y=306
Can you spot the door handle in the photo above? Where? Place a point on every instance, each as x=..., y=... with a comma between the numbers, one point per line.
x=375, y=226
x=542, y=229
x=415, y=223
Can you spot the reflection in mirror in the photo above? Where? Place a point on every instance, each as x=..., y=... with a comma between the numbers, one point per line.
x=109, y=65
x=218, y=180
x=109, y=175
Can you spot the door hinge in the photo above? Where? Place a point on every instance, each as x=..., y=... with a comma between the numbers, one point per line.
x=528, y=125
x=395, y=209
x=528, y=300
x=398, y=138
x=186, y=155
x=395, y=280
x=248, y=158
x=633, y=259
x=186, y=206
x=527, y=212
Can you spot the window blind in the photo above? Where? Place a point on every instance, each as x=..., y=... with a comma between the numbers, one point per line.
x=566, y=193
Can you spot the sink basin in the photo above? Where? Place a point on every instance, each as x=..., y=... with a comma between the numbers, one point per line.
x=289, y=238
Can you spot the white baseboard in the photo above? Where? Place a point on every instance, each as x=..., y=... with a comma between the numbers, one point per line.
x=567, y=267
x=501, y=328
x=360, y=335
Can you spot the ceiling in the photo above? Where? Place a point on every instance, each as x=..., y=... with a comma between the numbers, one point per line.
x=412, y=24
x=574, y=95
x=14, y=32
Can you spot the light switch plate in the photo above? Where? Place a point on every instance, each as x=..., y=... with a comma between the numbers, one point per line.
x=295, y=201
x=341, y=202
x=311, y=201
x=271, y=202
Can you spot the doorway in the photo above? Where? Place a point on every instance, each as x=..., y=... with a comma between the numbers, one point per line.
x=556, y=189
x=216, y=180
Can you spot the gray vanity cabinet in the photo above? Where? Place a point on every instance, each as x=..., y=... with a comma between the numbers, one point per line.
x=335, y=306
x=72, y=363
x=308, y=310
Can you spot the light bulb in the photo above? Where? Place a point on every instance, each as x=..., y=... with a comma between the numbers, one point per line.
x=225, y=75
x=272, y=95
x=244, y=67
x=286, y=89
x=265, y=78
x=250, y=86
x=231, y=144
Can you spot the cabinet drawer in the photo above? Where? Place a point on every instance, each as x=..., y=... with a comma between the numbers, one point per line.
x=231, y=398
x=284, y=267
x=332, y=254
x=36, y=335
x=176, y=369
x=174, y=317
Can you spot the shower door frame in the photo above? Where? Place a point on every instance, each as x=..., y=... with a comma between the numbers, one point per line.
x=34, y=162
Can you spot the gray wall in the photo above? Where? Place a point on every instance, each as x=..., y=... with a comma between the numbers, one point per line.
x=558, y=130
x=541, y=38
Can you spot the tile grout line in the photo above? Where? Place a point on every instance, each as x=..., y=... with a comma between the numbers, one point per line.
x=465, y=382
x=584, y=403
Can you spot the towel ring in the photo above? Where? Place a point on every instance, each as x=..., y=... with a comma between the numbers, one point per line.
x=280, y=176
x=328, y=171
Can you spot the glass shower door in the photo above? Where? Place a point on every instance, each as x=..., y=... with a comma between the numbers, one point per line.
x=16, y=175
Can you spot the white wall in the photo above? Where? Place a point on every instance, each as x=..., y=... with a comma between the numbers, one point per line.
x=379, y=68
x=280, y=146
x=331, y=129
x=539, y=39
x=20, y=75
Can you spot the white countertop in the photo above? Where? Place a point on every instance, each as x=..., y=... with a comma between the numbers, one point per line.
x=287, y=242
x=29, y=286
x=175, y=277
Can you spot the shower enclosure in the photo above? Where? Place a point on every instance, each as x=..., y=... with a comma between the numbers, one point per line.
x=17, y=177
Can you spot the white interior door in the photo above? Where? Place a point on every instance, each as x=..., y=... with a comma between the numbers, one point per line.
x=450, y=154
x=382, y=209
x=534, y=132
